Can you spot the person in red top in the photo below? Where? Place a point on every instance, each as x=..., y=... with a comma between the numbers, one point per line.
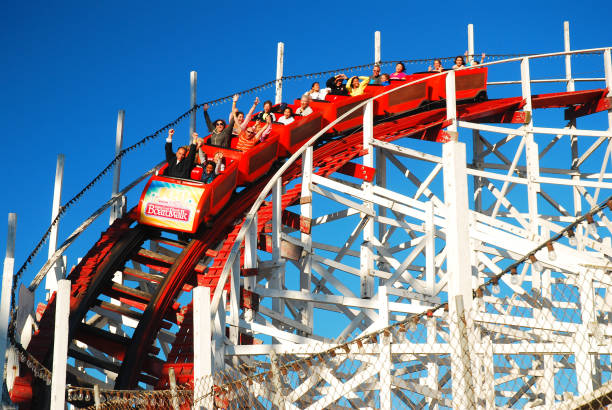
x=249, y=137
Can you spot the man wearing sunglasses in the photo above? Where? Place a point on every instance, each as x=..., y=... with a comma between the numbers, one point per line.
x=220, y=134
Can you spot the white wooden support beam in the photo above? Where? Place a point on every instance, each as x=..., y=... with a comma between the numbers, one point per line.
x=7, y=286
x=470, y=30
x=463, y=383
x=277, y=280
x=96, y=394
x=430, y=249
x=457, y=227
x=174, y=401
x=366, y=265
x=234, y=296
x=568, y=57
x=57, y=271
x=306, y=238
x=202, y=338
x=451, y=104
x=250, y=262
x=117, y=208
x=218, y=334
x=377, y=47
x=193, y=82
x=433, y=371
x=381, y=181
x=280, y=56
x=608, y=71
x=531, y=151
x=60, y=345
x=385, y=361
x=582, y=338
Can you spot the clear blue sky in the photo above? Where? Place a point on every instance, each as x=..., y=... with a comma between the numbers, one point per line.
x=69, y=66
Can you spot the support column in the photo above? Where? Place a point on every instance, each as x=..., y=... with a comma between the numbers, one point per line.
x=250, y=262
x=202, y=344
x=60, y=345
x=234, y=296
x=278, y=279
x=57, y=271
x=377, y=47
x=385, y=359
x=193, y=81
x=366, y=264
x=7, y=286
x=568, y=58
x=381, y=181
x=117, y=207
x=306, y=238
x=280, y=56
x=531, y=151
x=451, y=105
x=470, y=56
x=459, y=269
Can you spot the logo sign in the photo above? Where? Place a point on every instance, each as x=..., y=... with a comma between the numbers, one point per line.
x=170, y=205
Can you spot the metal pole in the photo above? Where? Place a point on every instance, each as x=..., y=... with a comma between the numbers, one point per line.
x=202, y=342
x=470, y=55
x=193, y=78
x=377, y=47
x=7, y=285
x=568, y=58
x=280, y=55
x=116, y=210
x=51, y=279
x=60, y=345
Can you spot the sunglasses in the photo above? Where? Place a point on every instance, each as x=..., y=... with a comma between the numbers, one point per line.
x=219, y=123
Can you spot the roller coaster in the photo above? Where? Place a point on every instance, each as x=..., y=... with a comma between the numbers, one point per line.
x=262, y=204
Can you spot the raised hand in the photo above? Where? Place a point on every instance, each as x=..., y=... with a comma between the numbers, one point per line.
x=235, y=98
x=205, y=107
x=170, y=133
x=256, y=101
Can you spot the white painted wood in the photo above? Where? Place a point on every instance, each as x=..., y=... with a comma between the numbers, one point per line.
x=193, y=82
x=7, y=286
x=234, y=297
x=58, y=269
x=366, y=260
x=280, y=57
x=96, y=391
x=174, y=400
x=470, y=50
x=377, y=47
x=116, y=209
x=202, y=334
x=451, y=102
x=457, y=236
x=306, y=238
x=463, y=384
x=60, y=345
x=568, y=57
